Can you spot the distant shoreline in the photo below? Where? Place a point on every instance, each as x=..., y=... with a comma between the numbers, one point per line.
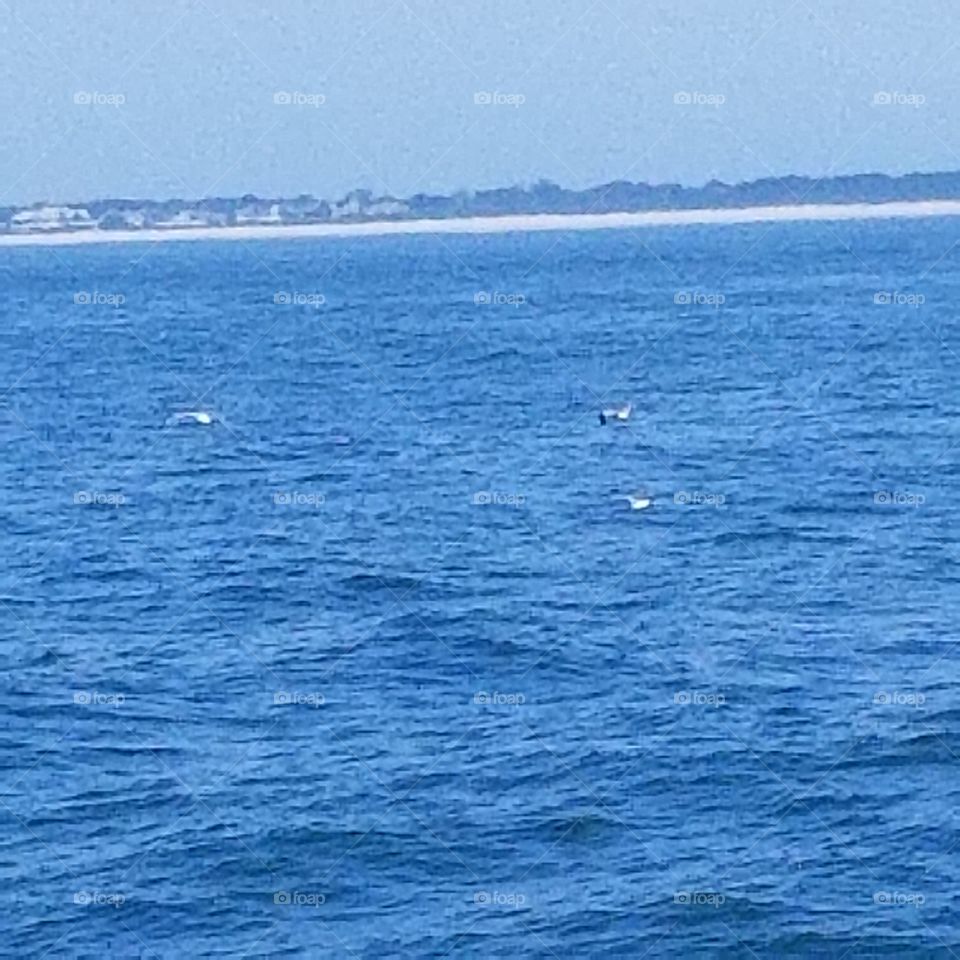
x=524, y=223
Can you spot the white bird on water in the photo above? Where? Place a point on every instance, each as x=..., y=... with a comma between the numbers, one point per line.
x=638, y=501
x=621, y=413
x=203, y=417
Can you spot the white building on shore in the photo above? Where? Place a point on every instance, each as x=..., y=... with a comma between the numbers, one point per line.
x=259, y=213
x=183, y=219
x=47, y=218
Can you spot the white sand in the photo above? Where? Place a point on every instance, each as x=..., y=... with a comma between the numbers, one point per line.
x=507, y=224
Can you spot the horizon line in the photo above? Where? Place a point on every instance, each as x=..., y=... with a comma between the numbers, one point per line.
x=525, y=186
x=524, y=223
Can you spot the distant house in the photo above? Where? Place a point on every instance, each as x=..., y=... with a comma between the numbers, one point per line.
x=185, y=218
x=47, y=218
x=304, y=209
x=259, y=212
x=387, y=207
x=123, y=220
x=360, y=204
x=351, y=206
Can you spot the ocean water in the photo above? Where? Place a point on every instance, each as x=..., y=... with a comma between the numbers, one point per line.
x=379, y=665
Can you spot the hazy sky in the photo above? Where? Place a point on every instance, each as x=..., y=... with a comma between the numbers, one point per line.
x=182, y=94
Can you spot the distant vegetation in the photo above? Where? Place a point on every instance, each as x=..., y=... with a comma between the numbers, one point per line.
x=541, y=197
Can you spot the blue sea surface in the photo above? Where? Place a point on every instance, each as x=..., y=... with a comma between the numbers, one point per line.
x=382, y=664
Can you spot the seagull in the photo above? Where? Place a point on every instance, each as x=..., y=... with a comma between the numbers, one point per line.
x=203, y=417
x=621, y=413
x=638, y=501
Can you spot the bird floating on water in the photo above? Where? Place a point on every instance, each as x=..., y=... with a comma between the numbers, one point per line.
x=621, y=413
x=203, y=417
x=638, y=501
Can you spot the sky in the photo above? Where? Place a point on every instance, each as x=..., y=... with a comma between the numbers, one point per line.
x=194, y=98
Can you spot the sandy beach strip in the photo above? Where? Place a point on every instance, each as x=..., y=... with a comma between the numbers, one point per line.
x=527, y=223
